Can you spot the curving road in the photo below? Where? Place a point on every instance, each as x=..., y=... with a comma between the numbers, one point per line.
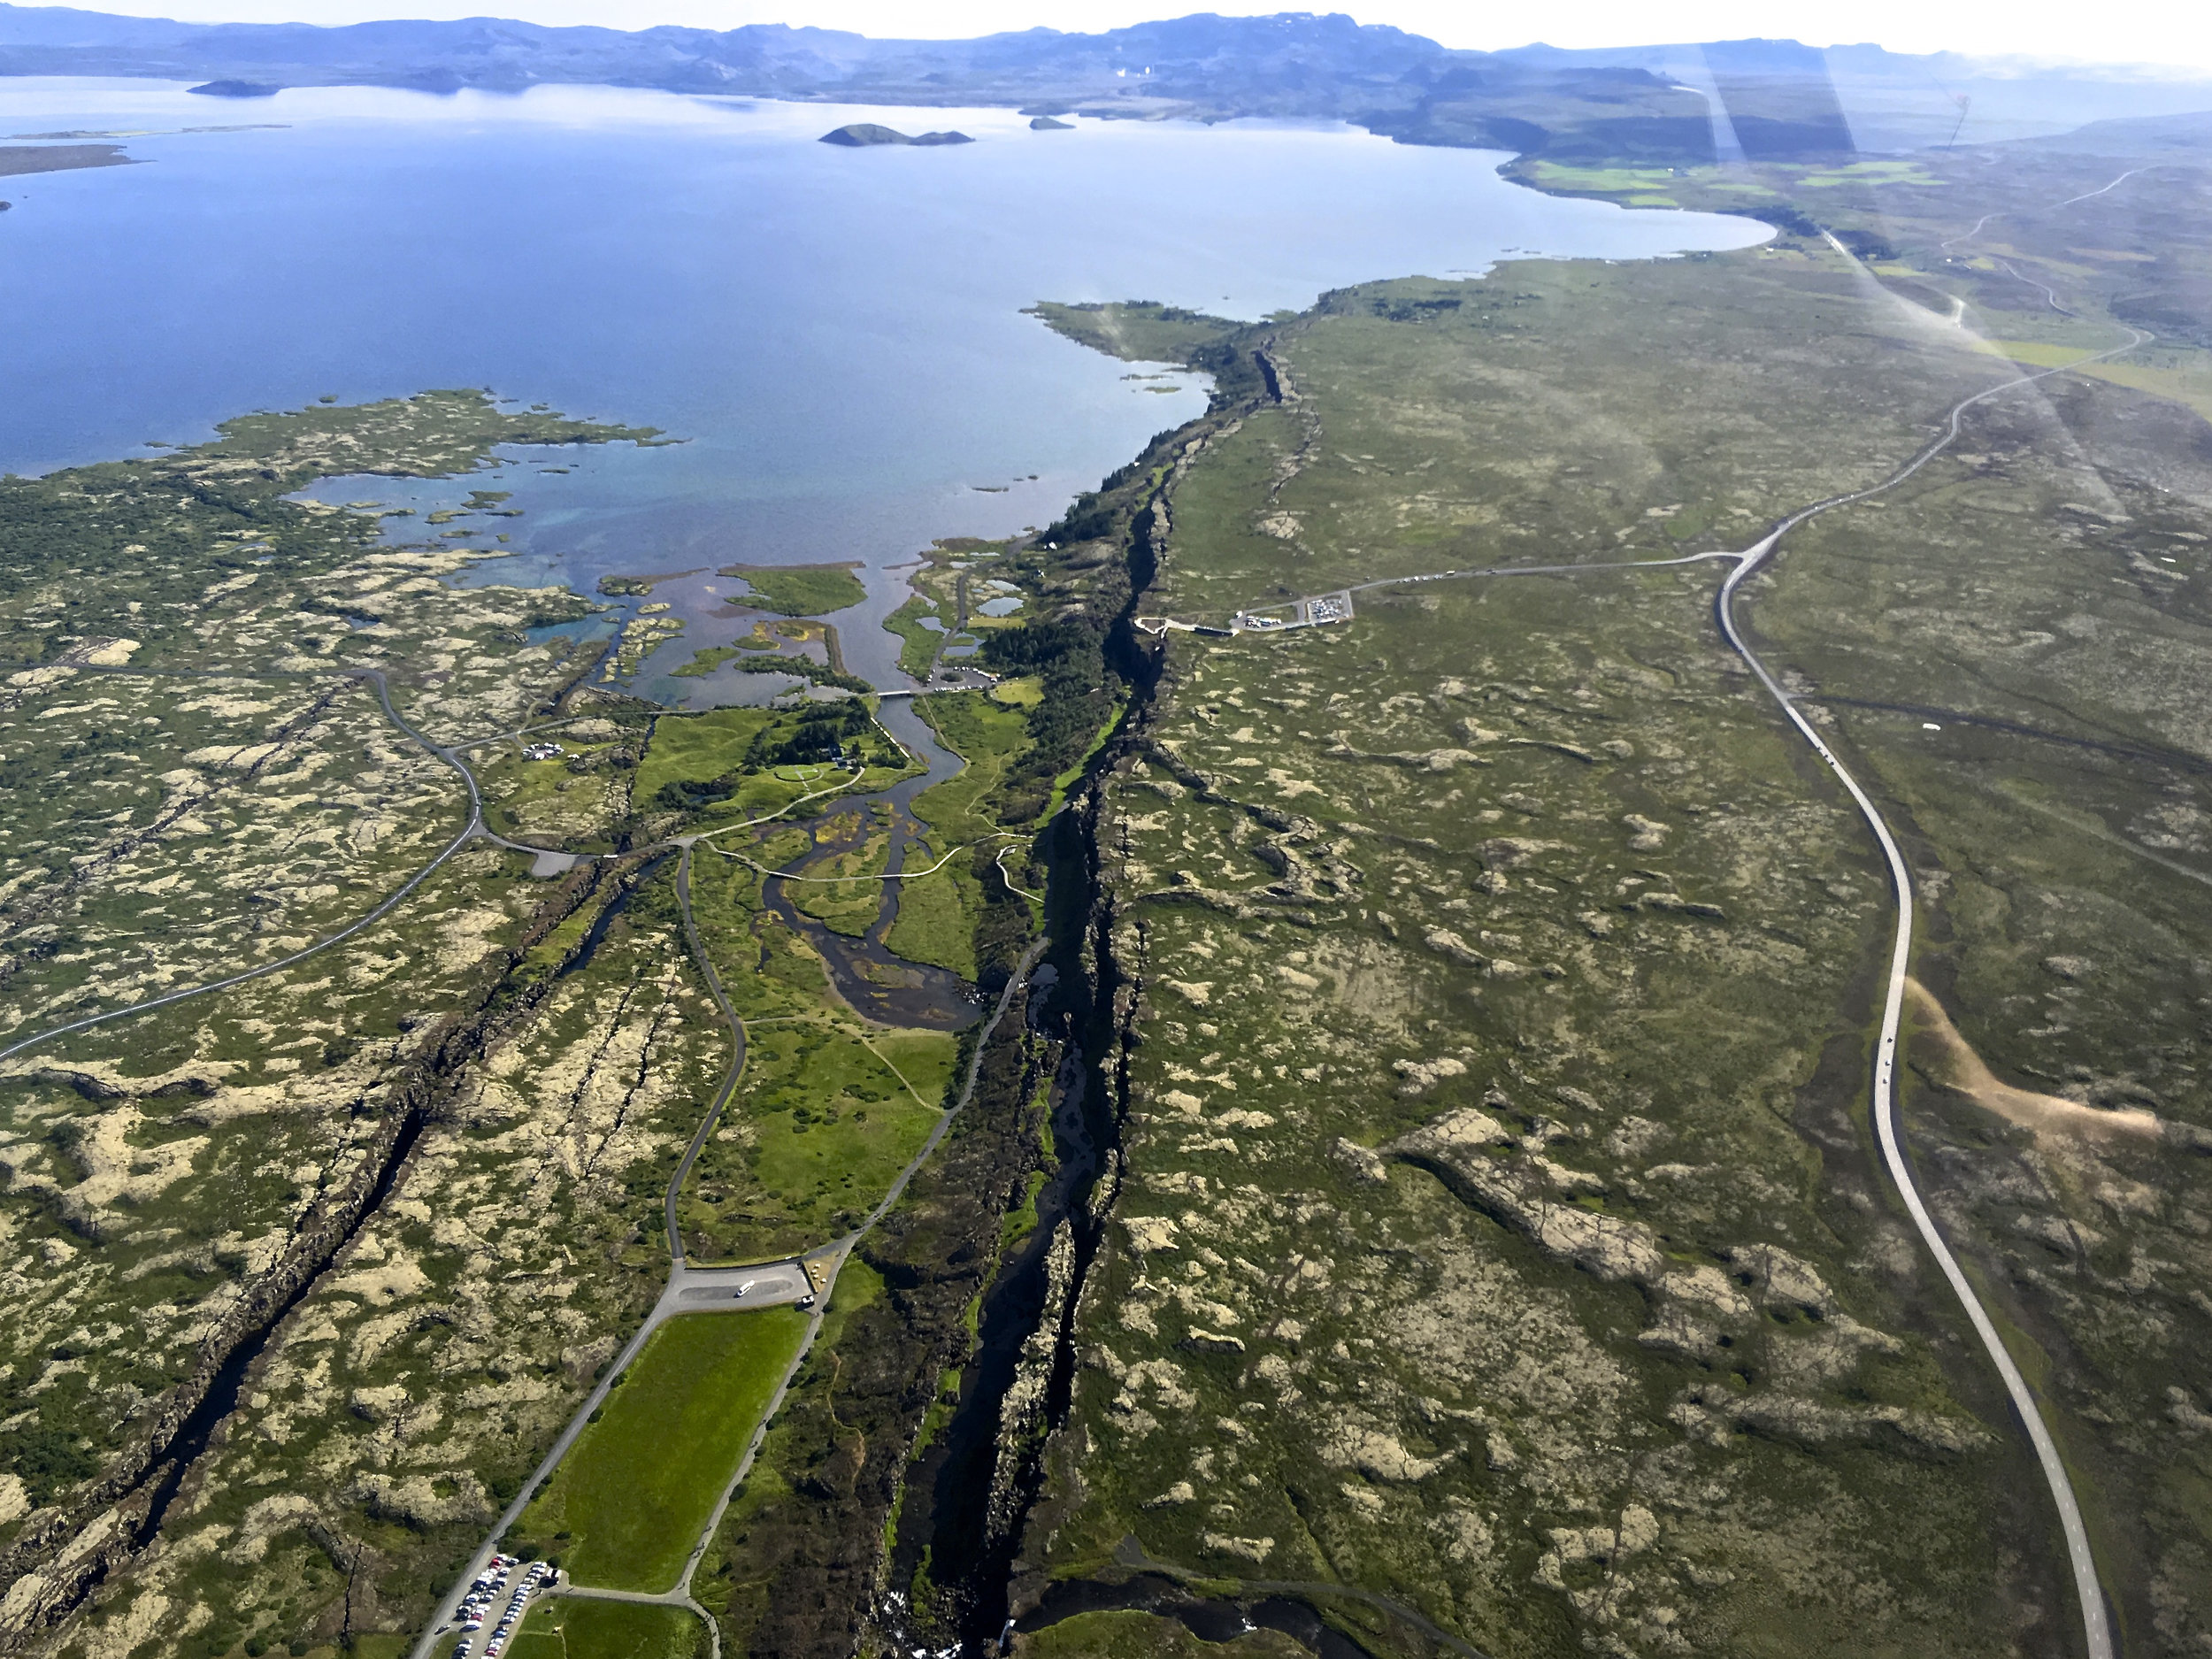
x=470, y=831
x=2096, y=1627
x=2043, y=288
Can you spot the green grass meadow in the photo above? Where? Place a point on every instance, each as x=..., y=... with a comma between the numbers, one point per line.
x=625, y=1507
x=698, y=748
x=830, y=1125
x=560, y=1628
x=936, y=918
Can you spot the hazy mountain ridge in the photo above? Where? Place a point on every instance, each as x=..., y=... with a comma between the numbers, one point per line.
x=1648, y=103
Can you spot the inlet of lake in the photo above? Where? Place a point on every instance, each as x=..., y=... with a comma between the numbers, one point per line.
x=837, y=334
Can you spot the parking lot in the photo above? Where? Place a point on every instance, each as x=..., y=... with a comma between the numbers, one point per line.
x=491, y=1610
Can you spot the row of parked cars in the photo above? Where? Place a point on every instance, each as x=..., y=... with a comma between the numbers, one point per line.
x=476, y=1606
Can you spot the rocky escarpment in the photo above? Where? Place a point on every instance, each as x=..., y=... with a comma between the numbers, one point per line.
x=1698, y=1312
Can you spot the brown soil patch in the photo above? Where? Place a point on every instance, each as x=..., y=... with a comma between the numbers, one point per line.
x=1952, y=1062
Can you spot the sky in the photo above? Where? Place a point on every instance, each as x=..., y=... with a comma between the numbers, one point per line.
x=2173, y=32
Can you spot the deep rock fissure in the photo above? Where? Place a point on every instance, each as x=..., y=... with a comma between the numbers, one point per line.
x=981, y=1500
x=142, y=1491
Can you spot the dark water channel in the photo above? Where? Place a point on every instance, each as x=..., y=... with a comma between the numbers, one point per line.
x=868, y=975
x=970, y=1541
x=1208, y=1618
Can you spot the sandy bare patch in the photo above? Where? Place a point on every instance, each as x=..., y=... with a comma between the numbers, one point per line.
x=1956, y=1066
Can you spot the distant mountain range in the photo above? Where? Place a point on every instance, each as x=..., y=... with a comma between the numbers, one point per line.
x=1679, y=105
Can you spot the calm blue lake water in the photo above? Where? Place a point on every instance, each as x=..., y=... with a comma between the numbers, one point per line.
x=837, y=334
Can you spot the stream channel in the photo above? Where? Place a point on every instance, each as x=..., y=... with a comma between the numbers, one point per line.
x=872, y=979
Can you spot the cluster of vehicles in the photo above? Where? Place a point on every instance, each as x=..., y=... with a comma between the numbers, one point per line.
x=1304, y=613
x=476, y=1606
x=807, y=1300
x=1329, y=607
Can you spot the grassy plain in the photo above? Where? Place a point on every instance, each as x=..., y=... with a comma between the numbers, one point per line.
x=924, y=1059
x=727, y=765
x=986, y=736
x=698, y=748
x=1500, y=1230
x=835, y=1122
x=824, y=1116
x=937, y=917
x=627, y=1503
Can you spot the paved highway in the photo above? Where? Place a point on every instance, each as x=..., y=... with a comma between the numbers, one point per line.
x=2096, y=1627
x=2089, y=1594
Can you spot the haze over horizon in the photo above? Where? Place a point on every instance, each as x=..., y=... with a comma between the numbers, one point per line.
x=2128, y=32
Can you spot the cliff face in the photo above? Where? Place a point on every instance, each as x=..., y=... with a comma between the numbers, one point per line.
x=1022, y=1414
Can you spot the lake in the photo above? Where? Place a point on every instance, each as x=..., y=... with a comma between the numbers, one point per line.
x=836, y=334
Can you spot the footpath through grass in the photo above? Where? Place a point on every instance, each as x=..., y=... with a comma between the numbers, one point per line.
x=622, y=1509
x=561, y=1629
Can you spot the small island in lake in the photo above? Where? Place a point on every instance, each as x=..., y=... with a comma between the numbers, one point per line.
x=236, y=89
x=1046, y=124
x=864, y=135
x=800, y=590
